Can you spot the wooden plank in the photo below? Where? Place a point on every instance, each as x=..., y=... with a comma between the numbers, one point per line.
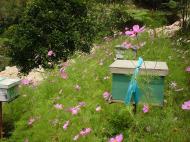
x=148, y=67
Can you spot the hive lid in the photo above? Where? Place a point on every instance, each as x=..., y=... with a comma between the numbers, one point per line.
x=148, y=67
x=8, y=83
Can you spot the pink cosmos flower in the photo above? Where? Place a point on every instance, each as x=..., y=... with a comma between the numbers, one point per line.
x=58, y=106
x=118, y=138
x=63, y=73
x=85, y=131
x=76, y=137
x=98, y=108
x=145, y=108
x=74, y=110
x=82, y=104
x=134, y=32
x=77, y=87
x=186, y=105
x=51, y=53
x=66, y=64
x=66, y=125
x=106, y=95
x=126, y=45
x=188, y=69
x=25, y=81
x=31, y=121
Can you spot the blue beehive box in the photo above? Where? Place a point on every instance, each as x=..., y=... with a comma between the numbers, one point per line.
x=8, y=89
x=150, y=80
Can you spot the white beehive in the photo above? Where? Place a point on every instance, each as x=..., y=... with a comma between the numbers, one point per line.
x=8, y=89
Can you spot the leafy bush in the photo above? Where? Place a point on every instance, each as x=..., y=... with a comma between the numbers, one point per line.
x=151, y=3
x=108, y=18
x=10, y=12
x=185, y=13
x=109, y=1
x=120, y=18
x=60, y=26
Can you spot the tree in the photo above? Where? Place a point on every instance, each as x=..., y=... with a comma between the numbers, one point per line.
x=185, y=14
x=62, y=26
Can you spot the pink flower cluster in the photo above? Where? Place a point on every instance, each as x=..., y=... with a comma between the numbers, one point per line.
x=75, y=110
x=118, y=138
x=58, y=106
x=63, y=73
x=106, y=95
x=26, y=81
x=83, y=133
x=134, y=31
x=186, y=105
x=66, y=125
x=145, y=108
x=188, y=69
x=51, y=53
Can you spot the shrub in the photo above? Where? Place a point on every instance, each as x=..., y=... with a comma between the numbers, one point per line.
x=10, y=12
x=61, y=26
x=108, y=18
x=120, y=18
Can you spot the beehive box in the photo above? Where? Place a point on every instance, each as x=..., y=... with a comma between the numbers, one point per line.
x=122, y=53
x=150, y=80
x=8, y=89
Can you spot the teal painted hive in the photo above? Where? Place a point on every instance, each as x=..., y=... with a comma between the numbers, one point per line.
x=122, y=52
x=150, y=80
x=8, y=89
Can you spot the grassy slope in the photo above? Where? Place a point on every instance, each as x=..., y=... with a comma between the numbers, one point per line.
x=169, y=123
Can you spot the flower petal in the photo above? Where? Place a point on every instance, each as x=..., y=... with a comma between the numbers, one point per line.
x=129, y=33
x=136, y=28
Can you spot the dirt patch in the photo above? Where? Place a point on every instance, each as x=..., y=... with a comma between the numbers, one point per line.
x=36, y=75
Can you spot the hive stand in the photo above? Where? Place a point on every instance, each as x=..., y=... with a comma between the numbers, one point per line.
x=8, y=92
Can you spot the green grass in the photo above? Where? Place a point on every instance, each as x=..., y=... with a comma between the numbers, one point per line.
x=169, y=123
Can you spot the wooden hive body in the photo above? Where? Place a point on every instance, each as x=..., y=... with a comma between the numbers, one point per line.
x=8, y=89
x=150, y=80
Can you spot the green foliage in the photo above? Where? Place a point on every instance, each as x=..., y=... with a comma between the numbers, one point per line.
x=4, y=61
x=10, y=12
x=149, y=18
x=151, y=3
x=61, y=26
x=119, y=18
x=109, y=19
x=185, y=14
x=109, y=1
